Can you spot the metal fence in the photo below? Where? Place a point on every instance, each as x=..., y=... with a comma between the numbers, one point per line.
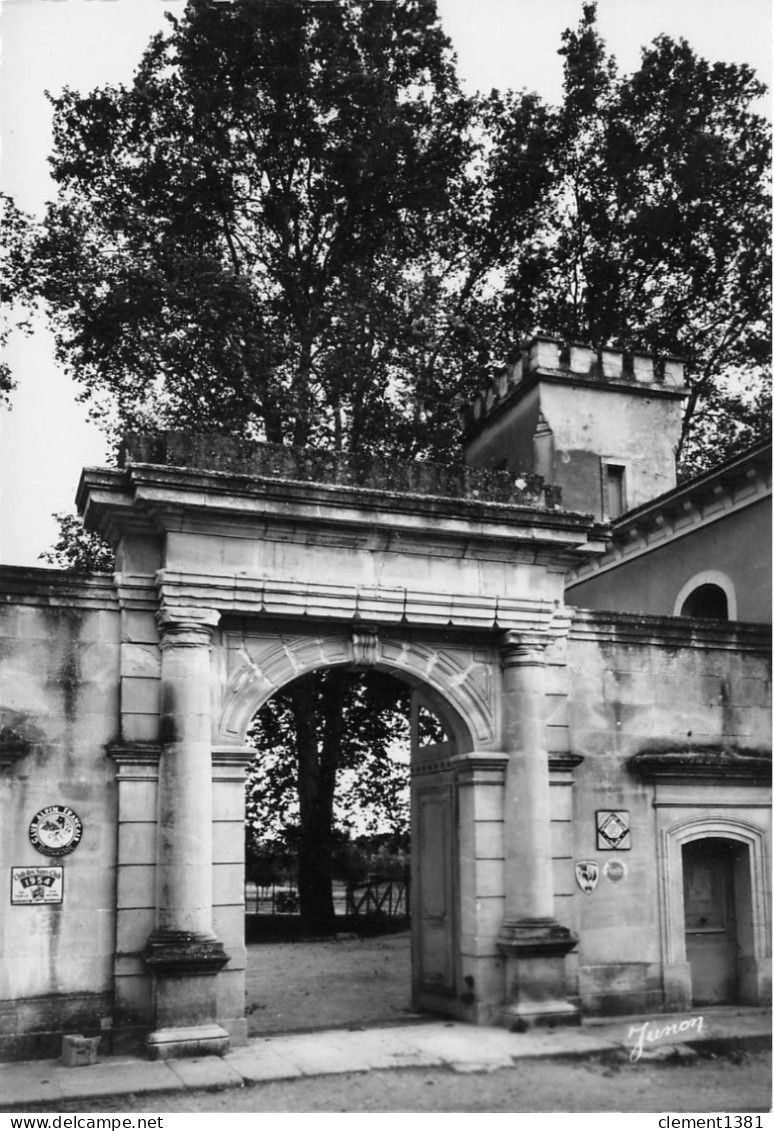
x=377, y=896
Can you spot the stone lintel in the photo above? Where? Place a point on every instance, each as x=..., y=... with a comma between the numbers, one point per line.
x=134, y=753
x=184, y=954
x=714, y=762
x=564, y=763
x=366, y=607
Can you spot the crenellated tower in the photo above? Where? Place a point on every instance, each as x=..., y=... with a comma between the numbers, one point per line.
x=602, y=425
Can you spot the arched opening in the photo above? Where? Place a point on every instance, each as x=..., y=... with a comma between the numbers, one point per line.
x=746, y=843
x=717, y=901
x=709, y=595
x=339, y=854
x=706, y=602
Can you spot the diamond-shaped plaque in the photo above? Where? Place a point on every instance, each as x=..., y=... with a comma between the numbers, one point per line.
x=613, y=830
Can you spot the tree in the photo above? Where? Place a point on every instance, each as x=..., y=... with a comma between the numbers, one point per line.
x=256, y=236
x=659, y=234
x=230, y=241
x=18, y=282
x=79, y=550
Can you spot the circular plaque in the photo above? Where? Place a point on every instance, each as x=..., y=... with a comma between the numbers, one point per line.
x=55, y=830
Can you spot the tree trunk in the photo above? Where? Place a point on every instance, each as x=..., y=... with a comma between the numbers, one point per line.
x=317, y=722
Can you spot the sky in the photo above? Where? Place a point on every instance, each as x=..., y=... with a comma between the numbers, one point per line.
x=45, y=439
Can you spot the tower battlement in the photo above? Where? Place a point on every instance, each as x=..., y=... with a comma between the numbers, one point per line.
x=554, y=359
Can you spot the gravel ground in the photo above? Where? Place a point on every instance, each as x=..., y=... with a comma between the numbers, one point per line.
x=293, y=986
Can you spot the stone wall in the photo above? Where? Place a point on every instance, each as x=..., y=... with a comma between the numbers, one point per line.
x=58, y=710
x=658, y=718
x=697, y=694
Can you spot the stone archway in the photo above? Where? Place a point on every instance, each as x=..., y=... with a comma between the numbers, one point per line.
x=458, y=681
x=234, y=581
x=454, y=682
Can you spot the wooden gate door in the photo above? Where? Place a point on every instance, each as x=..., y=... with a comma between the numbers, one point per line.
x=433, y=913
x=710, y=926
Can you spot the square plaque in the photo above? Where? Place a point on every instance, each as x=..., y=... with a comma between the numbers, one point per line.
x=613, y=830
x=37, y=885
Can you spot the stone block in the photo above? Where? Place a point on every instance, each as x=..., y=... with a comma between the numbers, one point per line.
x=643, y=368
x=562, y=839
x=556, y=710
x=228, y=801
x=558, y=739
x=137, y=842
x=560, y=800
x=140, y=661
x=582, y=358
x=228, y=923
x=133, y=926
x=136, y=886
x=489, y=838
x=564, y=877
x=228, y=842
x=79, y=1051
x=489, y=878
x=140, y=696
x=140, y=728
x=139, y=627
x=614, y=989
x=138, y=800
x=737, y=722
x=230, y=991
x=487, y=802
x=228, y=884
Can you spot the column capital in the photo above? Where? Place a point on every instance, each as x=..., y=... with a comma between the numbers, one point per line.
x=523, y=649
x=186, y=627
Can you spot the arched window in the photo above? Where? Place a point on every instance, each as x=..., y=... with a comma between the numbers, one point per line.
x=709, y=595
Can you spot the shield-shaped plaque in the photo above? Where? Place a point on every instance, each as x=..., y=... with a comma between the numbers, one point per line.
x=587, y=875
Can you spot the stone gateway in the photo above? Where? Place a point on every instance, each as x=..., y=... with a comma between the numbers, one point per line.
x=572, y=737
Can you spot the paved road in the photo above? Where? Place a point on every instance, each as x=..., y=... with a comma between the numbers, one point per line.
x=739, y=1082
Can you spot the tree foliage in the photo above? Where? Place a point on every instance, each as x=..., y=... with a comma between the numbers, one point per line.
x=292, y=224
x=19, y=282
x=78, y=550
x=658, y=232
x=232, y=238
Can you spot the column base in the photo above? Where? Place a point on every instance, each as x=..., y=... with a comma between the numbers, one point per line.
x=184, y=953
x=185, y=1001
x=536, y=986
x=189, y=1040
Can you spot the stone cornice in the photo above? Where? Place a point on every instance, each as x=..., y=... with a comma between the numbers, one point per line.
x=735, y=485
x=22, y=585
x=714, y=762
x=145, y=497
x=674, y=632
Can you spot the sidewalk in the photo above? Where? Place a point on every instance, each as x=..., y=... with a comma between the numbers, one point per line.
x=461, y=1048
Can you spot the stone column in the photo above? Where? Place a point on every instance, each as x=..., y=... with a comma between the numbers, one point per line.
x=533, y=943
x=183, y=952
